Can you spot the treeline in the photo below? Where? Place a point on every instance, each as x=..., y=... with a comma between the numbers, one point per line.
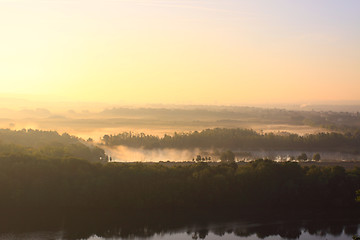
x=240, y=139
x=35, y=138
x=47, y=144
x=40, y=183
x=333, y=120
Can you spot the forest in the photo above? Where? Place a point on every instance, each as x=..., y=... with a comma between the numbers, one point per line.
x=246, y=139
x=33, y=182
x=47, y=144
x=52, y=171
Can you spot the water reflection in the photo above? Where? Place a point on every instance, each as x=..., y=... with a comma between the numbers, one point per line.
x=178, y=226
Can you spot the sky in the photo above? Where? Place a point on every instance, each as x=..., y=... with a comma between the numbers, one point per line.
x=222, y=52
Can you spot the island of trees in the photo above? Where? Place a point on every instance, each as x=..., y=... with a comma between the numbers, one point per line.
x=240, y=139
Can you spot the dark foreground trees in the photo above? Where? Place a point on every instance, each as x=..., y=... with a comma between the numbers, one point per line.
x=35, y=182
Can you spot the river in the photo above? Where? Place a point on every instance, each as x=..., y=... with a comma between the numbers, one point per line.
x=100, y=226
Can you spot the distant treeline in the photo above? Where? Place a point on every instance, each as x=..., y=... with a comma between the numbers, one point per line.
x=33, y=182
x=35, y=138
x=334, y=121
x=47, y=144
x=240, y=139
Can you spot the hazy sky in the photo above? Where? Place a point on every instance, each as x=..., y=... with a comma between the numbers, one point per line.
x=182, y=52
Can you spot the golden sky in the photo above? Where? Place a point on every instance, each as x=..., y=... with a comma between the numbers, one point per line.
x=181, y=51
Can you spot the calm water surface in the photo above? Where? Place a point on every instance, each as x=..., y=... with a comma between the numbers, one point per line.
x=94, y=226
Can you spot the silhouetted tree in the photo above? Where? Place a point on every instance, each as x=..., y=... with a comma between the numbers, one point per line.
x=316, y=157
x=302, y=157
x=227, y=156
